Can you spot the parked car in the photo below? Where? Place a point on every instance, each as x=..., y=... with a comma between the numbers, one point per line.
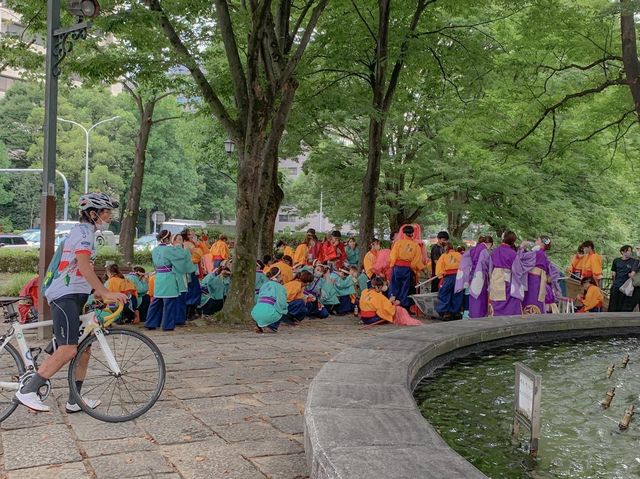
x=145, y=242
x=102, y=238
x=13, y=241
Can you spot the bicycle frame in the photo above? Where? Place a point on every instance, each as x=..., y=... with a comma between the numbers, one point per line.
x=88, y=324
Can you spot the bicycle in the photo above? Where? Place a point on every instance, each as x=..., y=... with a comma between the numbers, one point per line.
x=127, y=380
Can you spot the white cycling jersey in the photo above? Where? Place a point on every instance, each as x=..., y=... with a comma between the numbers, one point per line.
x=69, y=279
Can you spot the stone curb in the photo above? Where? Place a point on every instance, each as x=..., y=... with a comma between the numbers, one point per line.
x=361, y=420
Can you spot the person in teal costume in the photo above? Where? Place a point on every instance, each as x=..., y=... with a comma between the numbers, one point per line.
x=353, y=253
x=213, y=290
x=329, y=292
x=345, y=289
x=272, y=305
x=171, y=265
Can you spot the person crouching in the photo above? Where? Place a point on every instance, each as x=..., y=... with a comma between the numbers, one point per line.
x=272, y=305
x=375, y=307
x=297, y=309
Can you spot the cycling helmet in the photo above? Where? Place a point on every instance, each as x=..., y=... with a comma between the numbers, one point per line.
x=98, y=201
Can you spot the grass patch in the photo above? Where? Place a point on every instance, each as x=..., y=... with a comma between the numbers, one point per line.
x=12, y=283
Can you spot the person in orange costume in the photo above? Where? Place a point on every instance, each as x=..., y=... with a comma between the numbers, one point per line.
x=592, y=298
x=449, y=302
x=375, y=307
x=220, y=251
x=592, y=262
x=284, y=265
x=406, y=263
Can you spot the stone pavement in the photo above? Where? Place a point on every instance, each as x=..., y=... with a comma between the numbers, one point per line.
x=232, y=408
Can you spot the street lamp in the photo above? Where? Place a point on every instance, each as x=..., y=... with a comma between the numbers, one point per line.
x=229, y=146
x=84, y=8
x=86, y=157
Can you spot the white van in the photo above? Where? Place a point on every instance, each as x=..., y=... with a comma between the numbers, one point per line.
x=102, y=238
x=177, y=226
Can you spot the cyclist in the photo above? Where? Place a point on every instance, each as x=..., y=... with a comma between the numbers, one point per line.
x=67, y=294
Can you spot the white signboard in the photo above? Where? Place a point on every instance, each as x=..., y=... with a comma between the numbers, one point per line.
x=525, y=396
x=527, y=405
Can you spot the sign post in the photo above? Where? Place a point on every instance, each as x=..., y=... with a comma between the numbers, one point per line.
x=158, y=217
x=527, y=405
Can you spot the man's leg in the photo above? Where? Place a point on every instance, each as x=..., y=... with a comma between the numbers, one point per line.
x=65, y=313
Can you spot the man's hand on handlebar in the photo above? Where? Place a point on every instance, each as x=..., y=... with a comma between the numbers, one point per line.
x=114, y=297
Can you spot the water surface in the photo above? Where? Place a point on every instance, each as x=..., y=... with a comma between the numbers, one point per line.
x=470, y=403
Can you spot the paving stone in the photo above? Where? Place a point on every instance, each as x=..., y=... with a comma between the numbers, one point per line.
x=269, y=447
x=105, y=447
x=246, y=430
x=173, y=425
x=208, y=460
x=289, y=424
x=290, y=466
x=53, y=444
x=23, y=417
x=221, y=412
x=73, y=470
x=211, y=392
x=90, y=429
x=133, y=464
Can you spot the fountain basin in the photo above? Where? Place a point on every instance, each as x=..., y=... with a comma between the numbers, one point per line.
x=361, y=420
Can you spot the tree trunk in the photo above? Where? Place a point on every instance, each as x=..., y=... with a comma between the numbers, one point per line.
x=241, y=296
x=630, y=52
x=130, y=216
x=265, y=245
x=370, y=184
x=456, y=223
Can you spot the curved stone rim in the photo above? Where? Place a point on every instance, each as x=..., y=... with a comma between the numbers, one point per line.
x=361, y=420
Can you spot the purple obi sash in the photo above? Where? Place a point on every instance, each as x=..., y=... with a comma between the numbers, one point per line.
x=267, y=300
x=164, y=269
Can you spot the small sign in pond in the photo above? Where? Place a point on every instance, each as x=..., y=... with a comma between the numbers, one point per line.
x=527, y=405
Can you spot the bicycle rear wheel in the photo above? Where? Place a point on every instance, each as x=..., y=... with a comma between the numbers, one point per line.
x=123, y=396
x=11, y=368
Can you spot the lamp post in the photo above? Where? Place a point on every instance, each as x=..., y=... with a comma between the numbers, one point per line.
x=59, y=44
x=86, y=156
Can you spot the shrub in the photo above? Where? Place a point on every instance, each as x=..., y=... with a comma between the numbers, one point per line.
x=15, y=283
x=142, y=257
x=13, y=260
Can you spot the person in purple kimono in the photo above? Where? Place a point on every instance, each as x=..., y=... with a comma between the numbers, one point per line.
x=532, y=270
x=474, y=275
x=501, y=283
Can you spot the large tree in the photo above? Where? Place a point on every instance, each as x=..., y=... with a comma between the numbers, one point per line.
x=263, y=42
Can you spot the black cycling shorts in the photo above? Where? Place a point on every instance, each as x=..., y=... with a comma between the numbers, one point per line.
x=65, y=312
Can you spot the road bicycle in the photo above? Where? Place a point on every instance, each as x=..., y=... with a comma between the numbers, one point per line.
x=126, y=371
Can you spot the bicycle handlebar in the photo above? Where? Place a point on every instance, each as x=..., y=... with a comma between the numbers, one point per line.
x=106, y=322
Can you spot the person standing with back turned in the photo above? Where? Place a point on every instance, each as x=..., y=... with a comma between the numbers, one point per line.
x=67, y=290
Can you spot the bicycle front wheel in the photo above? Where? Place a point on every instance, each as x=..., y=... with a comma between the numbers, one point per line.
x=125, y=395
x=11, y=368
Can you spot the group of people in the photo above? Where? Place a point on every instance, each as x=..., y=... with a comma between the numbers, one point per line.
x=319, y=278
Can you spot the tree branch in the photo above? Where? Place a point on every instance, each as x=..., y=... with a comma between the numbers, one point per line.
x=364, y=20
x=177, y=117
x=208, y=93
x=564, y=101
x=231, y=49
x=297, y=26
x=471, y=25
x=304, y=41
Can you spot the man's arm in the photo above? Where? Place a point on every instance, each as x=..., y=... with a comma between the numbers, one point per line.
x=86, y=268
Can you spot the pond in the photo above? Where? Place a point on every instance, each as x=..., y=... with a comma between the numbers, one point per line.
x=470, y=404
